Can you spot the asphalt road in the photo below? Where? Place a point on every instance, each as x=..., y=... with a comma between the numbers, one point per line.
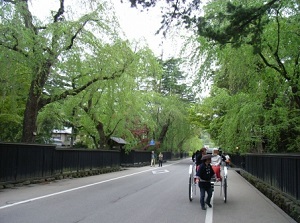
x=136, y=195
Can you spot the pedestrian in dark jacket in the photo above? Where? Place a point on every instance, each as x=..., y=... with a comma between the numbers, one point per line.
x=201, y=153
x=204, y=175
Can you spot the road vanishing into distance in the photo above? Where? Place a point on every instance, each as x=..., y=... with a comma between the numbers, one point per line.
x=136, y=195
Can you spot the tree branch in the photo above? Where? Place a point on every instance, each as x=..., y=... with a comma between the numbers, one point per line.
x=268, y=64
x=14, y=47
x=112, y=132
x=76, y=91
x=282, y=69
x=60, y=11
x=27, y=16
x=77, y=32
x=278, y=32
x=261, y=10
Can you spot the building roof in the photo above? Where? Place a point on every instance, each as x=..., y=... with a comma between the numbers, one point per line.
x=118, y=140
x=62, y=131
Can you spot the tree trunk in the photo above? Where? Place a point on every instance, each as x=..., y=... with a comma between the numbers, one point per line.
x=164, y=131
x=34, y=103
x=30, y=115
x=102, y=137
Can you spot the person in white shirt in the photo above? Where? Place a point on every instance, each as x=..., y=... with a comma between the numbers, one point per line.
x=216, y=160
x=227, y=160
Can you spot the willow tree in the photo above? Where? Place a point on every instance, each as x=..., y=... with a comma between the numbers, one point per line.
x=114, y=107
x=180, y=130
x=257, y=64
x=270, y=28
x=43, y=47
x=167, y=104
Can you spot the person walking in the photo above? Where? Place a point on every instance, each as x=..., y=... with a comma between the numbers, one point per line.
x=160, y=159
x=153, y=159
x=194, y=156
x=204, y=175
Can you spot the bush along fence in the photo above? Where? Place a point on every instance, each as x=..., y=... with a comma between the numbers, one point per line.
x=277, y=176
x=27, y=163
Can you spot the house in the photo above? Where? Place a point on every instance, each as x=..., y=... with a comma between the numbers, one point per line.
x=62, y=137
x=116, y=143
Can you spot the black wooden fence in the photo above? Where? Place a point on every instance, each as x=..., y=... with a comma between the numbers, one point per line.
x=26, y=161
x=20, y=162
x=281, y=171
x=135, y=157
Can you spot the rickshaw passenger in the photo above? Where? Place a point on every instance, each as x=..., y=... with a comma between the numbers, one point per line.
x=216, y=163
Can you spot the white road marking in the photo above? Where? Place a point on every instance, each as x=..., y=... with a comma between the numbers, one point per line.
x=77, y=188
x=209, y=211
x=159, y=171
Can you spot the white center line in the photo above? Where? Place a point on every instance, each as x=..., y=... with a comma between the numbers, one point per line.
x=209, y=211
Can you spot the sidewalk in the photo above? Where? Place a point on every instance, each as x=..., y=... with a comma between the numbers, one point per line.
x=245, y=204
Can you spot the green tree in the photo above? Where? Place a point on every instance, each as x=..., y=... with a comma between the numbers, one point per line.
x=168, y=107
x=45, y=49
x=251, y=55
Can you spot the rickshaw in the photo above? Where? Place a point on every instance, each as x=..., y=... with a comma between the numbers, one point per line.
x=192, y=181
x=222, y=183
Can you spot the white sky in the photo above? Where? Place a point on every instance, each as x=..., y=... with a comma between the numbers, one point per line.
x=142, y=27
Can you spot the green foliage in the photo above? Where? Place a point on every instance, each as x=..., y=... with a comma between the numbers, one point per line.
x=14, y=79
x=172, y=80
x=50, y=117
x=193, y=144
x=236, y=22
x=10, y=125
x=254, y=100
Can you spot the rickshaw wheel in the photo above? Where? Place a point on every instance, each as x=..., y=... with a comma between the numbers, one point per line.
x=190, y=188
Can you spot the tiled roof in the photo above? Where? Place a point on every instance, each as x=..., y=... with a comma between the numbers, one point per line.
x=118, y=140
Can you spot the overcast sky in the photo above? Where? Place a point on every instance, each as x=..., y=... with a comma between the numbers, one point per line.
x=142, y=26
